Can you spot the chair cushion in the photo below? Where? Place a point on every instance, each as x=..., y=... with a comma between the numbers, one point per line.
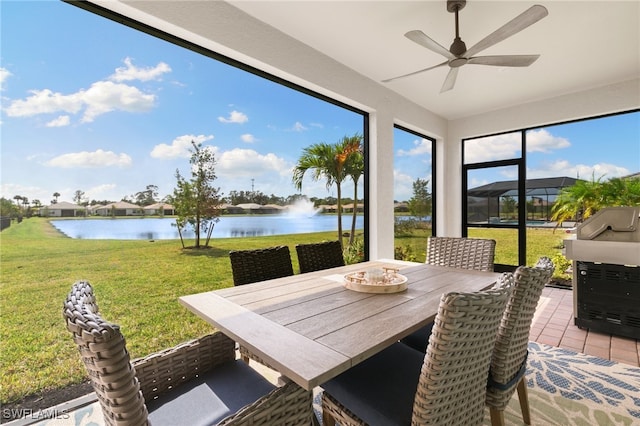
x=211, y=398
x=419, y=339
x=381, y=389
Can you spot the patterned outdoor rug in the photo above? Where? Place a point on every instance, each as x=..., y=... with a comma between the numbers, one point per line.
x=569, y=388
x=565, y=388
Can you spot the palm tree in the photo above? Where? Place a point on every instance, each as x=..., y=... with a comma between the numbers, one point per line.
x=585, y=198
x=328, y=162
x=55, y=197
x=621, y=192
x=577, y=202
x=354, y=168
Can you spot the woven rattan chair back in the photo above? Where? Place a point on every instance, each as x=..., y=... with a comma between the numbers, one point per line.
x=452, y=384
x=104, y=353
x=510, y=354
x=466, y=253
x=318, y=256
x=123, y=387
x=453, y=378
x=249, y=266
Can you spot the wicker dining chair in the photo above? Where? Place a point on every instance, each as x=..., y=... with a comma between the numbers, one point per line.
x=509, y=362
x=250, y=266
x=447, y=385
x=197, y=382
x=465, y=253
x=318, y=256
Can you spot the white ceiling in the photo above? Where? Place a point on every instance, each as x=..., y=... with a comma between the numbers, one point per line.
x=583, y=45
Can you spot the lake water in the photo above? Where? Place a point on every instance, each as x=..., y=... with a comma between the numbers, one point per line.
x=227, y=227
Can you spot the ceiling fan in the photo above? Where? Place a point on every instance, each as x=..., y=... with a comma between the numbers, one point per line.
x=458, y=54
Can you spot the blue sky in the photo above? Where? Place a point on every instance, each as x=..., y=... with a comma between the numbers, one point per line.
x=92, y=105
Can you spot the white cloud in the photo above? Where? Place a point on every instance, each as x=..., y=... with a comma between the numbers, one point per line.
x=4, y=75
x=248, y=138
x=234, y=117
x=131, y=72
x=101, y=97
x=474, y=182
x=604, y=170
x=105, y=96
x=61, y=121
x=582, y=171
x=508, y=146
x=45, y=102
x=101, y=191
x=420, y=146
x=543, y=141
x=298, y=127
x=95, y=159
x=8, y=190
x=179, y=148
x=492, y=148
x=248, y=162
x=402, y=186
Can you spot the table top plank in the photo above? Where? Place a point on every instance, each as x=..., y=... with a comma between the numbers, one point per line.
x=361, y=339
x=311, y=328
x=308, y=358
x=343, y=314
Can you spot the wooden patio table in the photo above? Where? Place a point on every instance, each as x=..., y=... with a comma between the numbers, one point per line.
x=311, y=328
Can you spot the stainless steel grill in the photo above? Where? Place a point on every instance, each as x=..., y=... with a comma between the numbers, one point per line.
x=605, y=251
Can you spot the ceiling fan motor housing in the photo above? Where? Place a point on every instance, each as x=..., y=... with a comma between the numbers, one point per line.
x=456, y=5
x=457, y=47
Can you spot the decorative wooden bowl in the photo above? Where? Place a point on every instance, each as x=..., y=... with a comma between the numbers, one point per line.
x=388, y=281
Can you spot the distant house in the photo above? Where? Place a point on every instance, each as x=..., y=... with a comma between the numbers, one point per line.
x=62, y=209
x=484, y=202
x=328, y=208
x=92, y=209
x=253, y=208
x=348, y=208
x=271, y=209
x=249, y=207
x=401, y=207
x=231, y=209
x=121, y=208
x=159, y=209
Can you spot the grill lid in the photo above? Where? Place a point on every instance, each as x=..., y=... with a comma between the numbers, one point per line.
x=611, y=224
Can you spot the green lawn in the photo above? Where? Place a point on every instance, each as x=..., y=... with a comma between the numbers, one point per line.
x=137, y=284
x=540, y=242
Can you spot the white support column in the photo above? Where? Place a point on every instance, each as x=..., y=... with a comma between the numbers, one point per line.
x=449, y=181
x=381, y=185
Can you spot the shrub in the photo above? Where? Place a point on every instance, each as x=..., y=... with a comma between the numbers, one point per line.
x=354, y=253
x=405, y=253
x=562, y=264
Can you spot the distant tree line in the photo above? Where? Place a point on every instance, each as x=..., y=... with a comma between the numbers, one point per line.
x=22, y=206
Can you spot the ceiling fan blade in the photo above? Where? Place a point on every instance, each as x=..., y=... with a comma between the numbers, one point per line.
x=422, y=39
x=504, y=60
x=517, y=24
x=415, y=72
x=450, y=80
